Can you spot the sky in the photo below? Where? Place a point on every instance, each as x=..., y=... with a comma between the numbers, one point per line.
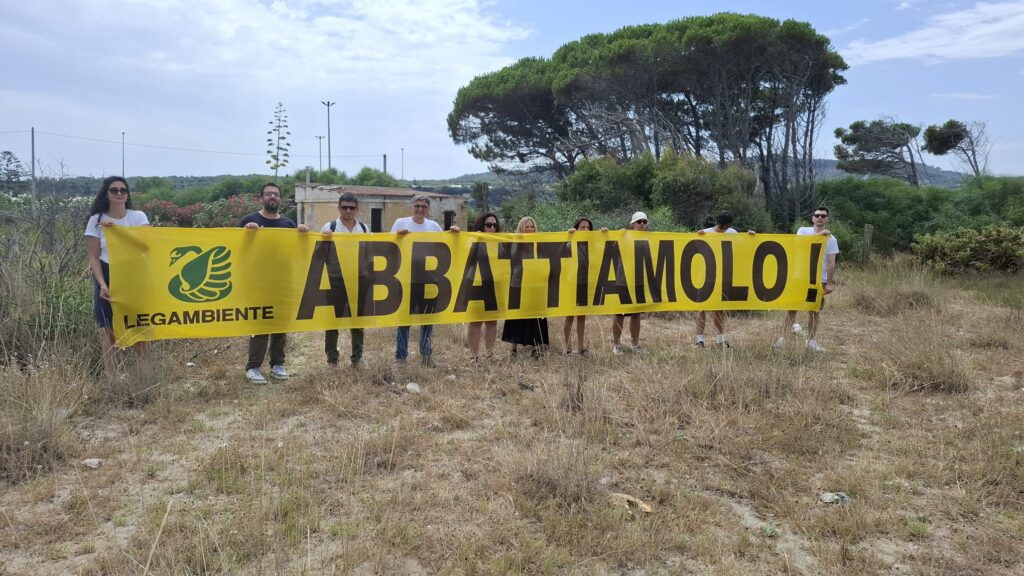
x=192, y=85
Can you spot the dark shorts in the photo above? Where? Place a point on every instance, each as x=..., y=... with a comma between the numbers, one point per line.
x=101, y=310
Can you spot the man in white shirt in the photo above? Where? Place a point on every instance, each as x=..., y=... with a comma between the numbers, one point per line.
x=418, y=222
x=828, y=273
x=346, y=223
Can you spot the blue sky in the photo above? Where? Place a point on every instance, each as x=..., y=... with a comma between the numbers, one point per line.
x=193, y=84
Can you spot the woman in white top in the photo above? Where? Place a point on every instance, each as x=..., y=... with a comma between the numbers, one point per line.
x=112, y=206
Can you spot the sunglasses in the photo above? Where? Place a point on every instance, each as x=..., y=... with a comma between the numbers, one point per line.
x=421, y=206
x=821, y=215
x=347, y=208
x=640, y=222
x=117, y=190
x=272, y=194
x=490, y=224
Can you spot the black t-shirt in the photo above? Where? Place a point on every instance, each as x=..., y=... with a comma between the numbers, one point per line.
x=279, y=222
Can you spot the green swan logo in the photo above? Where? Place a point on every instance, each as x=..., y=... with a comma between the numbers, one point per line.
x=204, y=277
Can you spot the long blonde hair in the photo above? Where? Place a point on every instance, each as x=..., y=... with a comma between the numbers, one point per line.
x=522, y=224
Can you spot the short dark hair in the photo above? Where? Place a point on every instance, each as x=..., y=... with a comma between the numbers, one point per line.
x=101, y=203
x=822, y=208
x=576, y=225
x=724, y=218
x=478, y=225
x=265, y=185
x=348, y=197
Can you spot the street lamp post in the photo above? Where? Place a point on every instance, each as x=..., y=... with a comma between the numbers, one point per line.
x=320, y=148
x=328, y=104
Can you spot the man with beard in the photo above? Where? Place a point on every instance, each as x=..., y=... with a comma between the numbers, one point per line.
x=268, y=217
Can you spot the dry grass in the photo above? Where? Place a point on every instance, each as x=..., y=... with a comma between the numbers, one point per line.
x=510, y=467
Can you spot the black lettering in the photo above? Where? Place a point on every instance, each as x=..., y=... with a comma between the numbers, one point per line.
x=422, y=277
x=209, y=316
x=612, y=258
x=553, y=252
x=645, y=270
x=325, y=257
x=515, y=253
x=730, y=293
x=191, y=316
x=582, y=272
x=370, y=277
x=693, y=249
x=159, y=319
x=775, y=250
x=127, y=324
x=468, y=289
x=142, y=320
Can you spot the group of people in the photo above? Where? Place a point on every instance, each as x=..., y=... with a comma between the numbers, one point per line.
x=113, y=206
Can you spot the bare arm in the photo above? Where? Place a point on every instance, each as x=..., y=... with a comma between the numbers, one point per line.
x=92, y=248
x=830, y=264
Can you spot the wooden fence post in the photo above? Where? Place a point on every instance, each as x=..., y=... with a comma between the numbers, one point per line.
x=865, y=250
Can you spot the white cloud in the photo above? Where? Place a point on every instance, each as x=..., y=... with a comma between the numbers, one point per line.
x=964, y=96
x=987, y=30
x=206, y=75
x=845, y=29
x=904, y=5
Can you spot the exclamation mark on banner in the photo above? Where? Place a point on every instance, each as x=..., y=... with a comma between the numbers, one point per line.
x=812, y=292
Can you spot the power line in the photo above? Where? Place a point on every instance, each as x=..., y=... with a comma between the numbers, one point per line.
x=176, y=148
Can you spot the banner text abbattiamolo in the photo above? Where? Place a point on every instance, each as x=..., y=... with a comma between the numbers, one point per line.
x=203, y=283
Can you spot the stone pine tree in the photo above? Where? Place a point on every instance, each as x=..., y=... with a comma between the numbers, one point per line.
x=968, y=142
x=277, y=140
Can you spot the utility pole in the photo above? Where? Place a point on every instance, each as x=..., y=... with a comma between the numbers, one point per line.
x=403, y=164
x=320, y=146
x=385, y=164
x=35, y=195
x=328, y=104
x=122, y=155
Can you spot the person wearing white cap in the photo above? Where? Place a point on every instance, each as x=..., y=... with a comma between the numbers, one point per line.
x=638, y=223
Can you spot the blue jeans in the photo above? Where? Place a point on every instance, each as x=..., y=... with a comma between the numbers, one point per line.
x=402, y=342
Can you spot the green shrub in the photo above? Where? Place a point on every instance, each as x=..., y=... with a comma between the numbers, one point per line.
x=994, y=248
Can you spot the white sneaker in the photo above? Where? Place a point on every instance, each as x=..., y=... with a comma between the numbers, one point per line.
x=637, y=349
x=797, y=329
x=617, y=350
x=813, y=345
x=278, y=372
x=255, y=376
x=779, y=342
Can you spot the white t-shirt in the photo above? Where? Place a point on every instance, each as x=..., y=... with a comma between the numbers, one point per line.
x=93, y=228
x=713, y=231
x=407, y=223
x=831, y=247
x=339, y=227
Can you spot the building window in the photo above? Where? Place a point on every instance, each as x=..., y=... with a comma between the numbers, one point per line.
x=449, y=219
x=376, y=214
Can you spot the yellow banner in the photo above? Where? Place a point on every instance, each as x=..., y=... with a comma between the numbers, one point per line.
x=202, y=283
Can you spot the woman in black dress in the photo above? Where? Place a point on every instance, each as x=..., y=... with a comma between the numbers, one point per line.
x=527, y=331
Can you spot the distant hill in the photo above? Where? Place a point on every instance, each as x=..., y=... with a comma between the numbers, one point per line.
x=931, y=175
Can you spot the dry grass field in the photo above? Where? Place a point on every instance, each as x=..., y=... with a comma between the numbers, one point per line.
x=916, y=412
